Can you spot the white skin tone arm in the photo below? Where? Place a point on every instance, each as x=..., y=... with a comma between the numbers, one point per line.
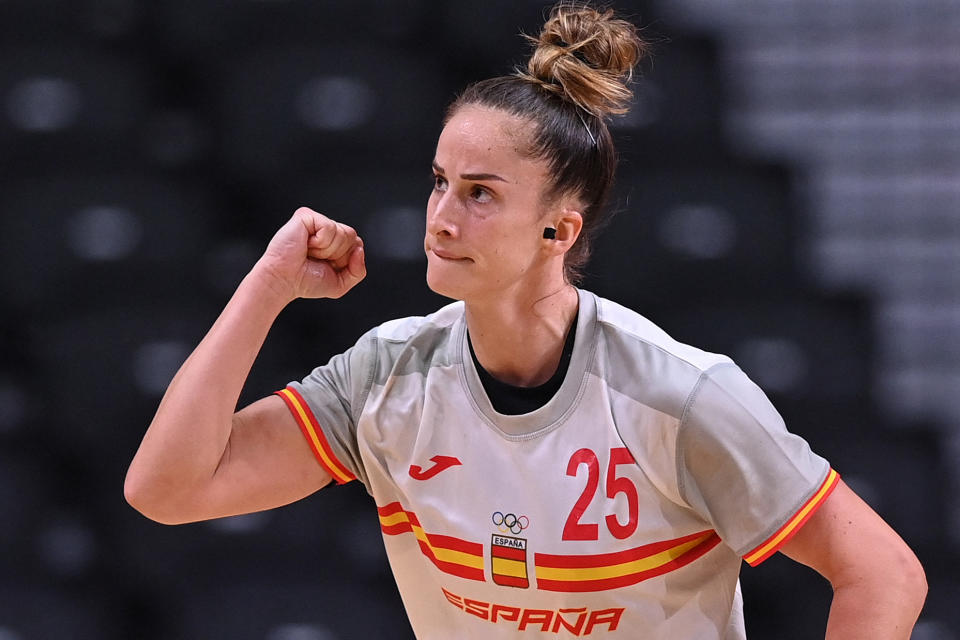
x=199, y=459
x=878, y=583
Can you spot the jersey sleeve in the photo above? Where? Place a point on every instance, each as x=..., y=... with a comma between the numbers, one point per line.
x=741, y=469
x=327, y=405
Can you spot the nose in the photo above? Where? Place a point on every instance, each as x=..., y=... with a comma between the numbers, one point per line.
x=441, y=215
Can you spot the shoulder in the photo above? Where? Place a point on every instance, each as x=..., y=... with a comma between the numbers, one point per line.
x=415, y=343
x=411, y=345
x=640, y=333
x=438, y=323
x=641, y=361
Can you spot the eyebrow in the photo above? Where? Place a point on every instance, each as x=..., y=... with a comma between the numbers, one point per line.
x=472, y=176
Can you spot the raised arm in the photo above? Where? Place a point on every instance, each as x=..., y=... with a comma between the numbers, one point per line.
x=878, y=584
x=201, y=459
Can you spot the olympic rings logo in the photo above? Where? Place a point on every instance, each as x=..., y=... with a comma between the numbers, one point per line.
x=510, y=522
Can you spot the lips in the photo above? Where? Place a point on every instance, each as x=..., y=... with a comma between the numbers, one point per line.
x=446, y=255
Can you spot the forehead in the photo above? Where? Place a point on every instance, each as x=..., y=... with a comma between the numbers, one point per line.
x=481, y=134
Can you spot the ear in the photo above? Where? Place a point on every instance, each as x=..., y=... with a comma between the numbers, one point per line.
x=568, y=226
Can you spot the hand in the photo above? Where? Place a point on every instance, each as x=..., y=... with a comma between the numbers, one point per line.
x=312, y=256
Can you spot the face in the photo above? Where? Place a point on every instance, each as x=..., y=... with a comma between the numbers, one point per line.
x=485, y=215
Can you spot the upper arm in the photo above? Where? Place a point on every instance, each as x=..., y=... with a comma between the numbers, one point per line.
x=267, y=463
x=847, y=542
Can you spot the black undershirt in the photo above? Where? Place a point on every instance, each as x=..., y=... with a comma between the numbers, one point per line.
x=510, y=400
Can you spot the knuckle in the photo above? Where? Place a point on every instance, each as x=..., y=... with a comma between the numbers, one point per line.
x=326, y=232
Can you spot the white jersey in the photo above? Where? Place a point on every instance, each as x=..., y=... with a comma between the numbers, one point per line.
x=621, y=508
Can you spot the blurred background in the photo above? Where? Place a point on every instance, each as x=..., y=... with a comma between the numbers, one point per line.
x=789, y=195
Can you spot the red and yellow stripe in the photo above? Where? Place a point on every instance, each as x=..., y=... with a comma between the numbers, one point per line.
x=314, y=434
x=604, y=571
x=787, y=531
x=451, y=555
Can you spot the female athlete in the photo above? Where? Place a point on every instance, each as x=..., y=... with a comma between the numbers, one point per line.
x=544, y=461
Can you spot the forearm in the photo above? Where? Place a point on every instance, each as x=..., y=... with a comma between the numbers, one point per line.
x=189, y=433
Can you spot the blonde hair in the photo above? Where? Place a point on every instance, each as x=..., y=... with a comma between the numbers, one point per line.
x=586, y=56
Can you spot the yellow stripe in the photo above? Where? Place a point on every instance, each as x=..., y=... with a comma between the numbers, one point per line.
x=508, y=567
x=796, y=519
x=332, y=466
x=618, y=570
x=394, y=518
x=449, y=555
x=440, y=553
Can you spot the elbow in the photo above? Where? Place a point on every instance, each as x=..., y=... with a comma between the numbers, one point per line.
x=903, y=577
x=914, y=581
x=150, y=501
x=136, y=492
x=893, y=575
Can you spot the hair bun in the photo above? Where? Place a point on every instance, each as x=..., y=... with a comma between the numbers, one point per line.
x=586, y=56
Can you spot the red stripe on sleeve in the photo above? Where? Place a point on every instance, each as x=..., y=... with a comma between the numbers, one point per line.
x=783, y=535
x=315, y=436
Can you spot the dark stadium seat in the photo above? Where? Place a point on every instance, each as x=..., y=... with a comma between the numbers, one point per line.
x=74, y=103
x=940, y=619
x=485, y=39
x=797, y=348
x=31, y=21
x=28, y=612
x=308, y=107
x=678, y=100
x=248, y=575
x=783, y=600
x=25, y=491
x=198, y=28
x=897, y=469
x=19, y=403
x=130, y=354
x=275, y=544
x=99, y=410
x=303, y=607
x=699, y=230
x=82, y=241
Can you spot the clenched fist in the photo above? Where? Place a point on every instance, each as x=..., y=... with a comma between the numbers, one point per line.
x=312, y=256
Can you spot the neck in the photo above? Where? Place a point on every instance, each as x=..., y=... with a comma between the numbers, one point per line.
x=519, y=339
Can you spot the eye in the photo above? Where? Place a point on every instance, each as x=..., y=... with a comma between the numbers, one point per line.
x=439, y=182
x=480, y=195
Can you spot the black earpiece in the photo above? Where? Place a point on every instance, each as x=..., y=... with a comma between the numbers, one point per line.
x=549, y=233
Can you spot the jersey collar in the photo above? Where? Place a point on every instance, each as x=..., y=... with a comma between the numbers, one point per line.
x=552, y=414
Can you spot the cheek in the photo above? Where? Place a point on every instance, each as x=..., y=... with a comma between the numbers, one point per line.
x=512, y=255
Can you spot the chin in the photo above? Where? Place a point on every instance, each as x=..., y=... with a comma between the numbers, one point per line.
x=443, y=285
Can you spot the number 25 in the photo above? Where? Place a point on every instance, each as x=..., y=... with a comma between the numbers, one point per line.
x=576, y=530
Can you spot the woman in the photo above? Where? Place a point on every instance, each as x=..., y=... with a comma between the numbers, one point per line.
x=542, y=459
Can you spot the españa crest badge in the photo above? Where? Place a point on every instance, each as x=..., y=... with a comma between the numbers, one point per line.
x=508, y=554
